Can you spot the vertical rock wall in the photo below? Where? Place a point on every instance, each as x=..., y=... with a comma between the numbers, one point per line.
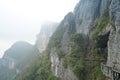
x=80, y=21
x=86, y=11
x=43, y=37
x=114, y=40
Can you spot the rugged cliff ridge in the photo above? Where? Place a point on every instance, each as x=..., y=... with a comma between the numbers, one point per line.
x=39, y=69
x=70, y=44
x=80, y=44
x=45, y=33
x=59, y=45
x=16, y=58
x=86, y=11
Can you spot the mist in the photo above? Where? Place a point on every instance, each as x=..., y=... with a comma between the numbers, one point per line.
x=22, y=19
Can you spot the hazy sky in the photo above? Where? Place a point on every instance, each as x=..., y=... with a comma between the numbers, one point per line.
x=21, y=19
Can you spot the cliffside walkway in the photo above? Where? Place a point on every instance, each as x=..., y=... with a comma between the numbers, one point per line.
x=100, y=60
x=111, y=72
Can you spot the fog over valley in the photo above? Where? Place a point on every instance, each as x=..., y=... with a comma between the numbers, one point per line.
x=22, y=19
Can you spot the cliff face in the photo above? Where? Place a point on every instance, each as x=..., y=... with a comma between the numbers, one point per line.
x=39, y=69
x=82, y=41
x=81, y=21
x=114, y=47
x=16, y=58
x=45, y=33
x=66, y=27
x=43, y=39
x=113, y=61
x=86, y=12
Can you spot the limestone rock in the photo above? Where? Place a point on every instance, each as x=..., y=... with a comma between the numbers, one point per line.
x=45, y=33
x=86, y=11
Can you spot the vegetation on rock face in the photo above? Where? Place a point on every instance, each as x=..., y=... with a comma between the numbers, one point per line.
x=60, y=53
x=81, y=49
x=16, y=58
x=55, y=40
x=38, y=70
x=101, y=23
x=6, y=74
x=76, y=55
x=84, y=57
